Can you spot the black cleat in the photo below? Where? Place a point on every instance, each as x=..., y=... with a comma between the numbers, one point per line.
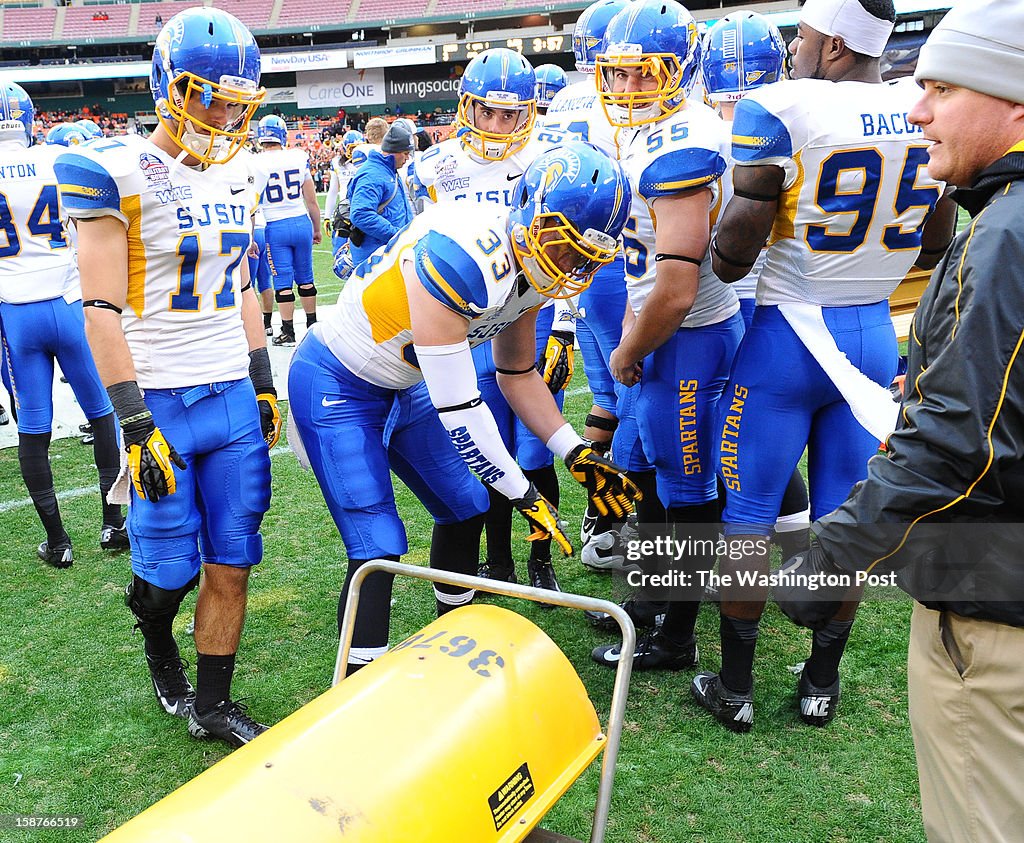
x=285, y=338
x=60, y=555
x=653, y=652
x=588, y=524
x=732, y=710
x=228, y=721
x=542, y=575
x=268, y=331
x=645, y=614
x=498, y=572
x=817, y=705
x=4, y=419
x=85, y=428
x=114, y=538
x=170, y=684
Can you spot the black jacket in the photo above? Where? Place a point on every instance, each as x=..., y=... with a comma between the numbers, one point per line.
x=945, y=504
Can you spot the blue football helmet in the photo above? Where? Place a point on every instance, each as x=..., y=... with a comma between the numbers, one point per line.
x=741, y=52
x=205, y=56
x=66, y=134
x=568, y=210
x=501, y=80
x=350, y=140
x=16, y=113
x=550, y=80
x=588, y=33
x=89, y=128
x=655, y=40
x=272, y=129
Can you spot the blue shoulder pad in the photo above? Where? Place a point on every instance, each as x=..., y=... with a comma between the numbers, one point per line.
x=450, y=275
x=758, y=135
x=681, y=170
x=85, y=185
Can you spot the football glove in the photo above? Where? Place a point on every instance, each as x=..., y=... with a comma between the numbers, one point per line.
x=609, y=489
x=543, y=518
x=270, y=417
x=343, y=265
x=557, y=364
x=151, y=459
x=802, y=592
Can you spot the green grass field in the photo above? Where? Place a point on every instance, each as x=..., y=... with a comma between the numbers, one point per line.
x=81, y=733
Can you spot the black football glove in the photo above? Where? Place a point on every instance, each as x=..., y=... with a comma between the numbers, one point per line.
x=270, y=417
x=609, y=489
x=543, y=518
x=151, y=459
x=557, y=363
x=806, y=606
x=266, y=396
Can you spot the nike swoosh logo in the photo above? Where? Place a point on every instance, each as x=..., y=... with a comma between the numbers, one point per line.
x=236, y=190
x=327, y=403
x=511, y=177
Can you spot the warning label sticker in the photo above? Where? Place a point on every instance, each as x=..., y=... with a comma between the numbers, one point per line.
x=508, y=799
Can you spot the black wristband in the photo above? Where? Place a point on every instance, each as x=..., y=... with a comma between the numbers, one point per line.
x=756, y=197
x=666, y=256
x=730, y=261
x=501, y=371
x=128, y=404
x=260, y=373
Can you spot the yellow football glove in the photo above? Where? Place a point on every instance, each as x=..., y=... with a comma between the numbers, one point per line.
x=609, y=489
x=270, y=418
x=543, y=518
x=557, y=364
x=151, y=460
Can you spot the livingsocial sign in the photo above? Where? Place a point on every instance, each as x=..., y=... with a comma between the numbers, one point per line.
x=330, y=89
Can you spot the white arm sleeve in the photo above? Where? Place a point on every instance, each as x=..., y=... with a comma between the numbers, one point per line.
x=332, y=196
x=565, y=316
x=451, y=381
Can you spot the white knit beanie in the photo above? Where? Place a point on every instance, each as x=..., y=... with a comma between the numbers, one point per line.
x=979, y=45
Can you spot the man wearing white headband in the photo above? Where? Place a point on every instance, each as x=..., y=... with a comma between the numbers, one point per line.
x=958, y=447
x=831, y=173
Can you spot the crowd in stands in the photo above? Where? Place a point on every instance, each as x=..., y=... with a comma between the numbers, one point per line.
x=111, y=124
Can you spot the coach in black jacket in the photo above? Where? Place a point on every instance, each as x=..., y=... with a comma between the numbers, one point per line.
x=946, y=504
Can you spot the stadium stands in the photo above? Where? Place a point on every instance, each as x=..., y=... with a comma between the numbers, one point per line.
x=303, y=12
x=28, y=24
x=367, y=11
x=79, y=22
x=255, y=14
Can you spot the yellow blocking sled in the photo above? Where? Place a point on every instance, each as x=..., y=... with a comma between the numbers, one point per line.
x=466, y=732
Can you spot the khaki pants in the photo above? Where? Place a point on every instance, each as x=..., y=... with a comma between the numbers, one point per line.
x=966, y=686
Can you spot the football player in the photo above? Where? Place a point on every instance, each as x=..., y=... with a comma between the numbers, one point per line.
x=495, y=143
x=342, y=170
x=676, y=355
x=550, y=80
x=742, y=52
x=41, y=310
x=457, y=277
x=293, y=223
x=164, y=227
x=828, y=167
x=577, y=111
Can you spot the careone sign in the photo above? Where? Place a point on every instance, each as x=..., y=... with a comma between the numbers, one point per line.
x=331, y=89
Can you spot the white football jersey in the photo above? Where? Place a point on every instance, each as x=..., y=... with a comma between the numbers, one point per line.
x=37, y=260
x=344, y=173
x=257, y=183
x=576, y=110
x=681, y=152
x=448, y=172
x=463, y=258
x=286, y=171
x=856, y=191
x=188, y=232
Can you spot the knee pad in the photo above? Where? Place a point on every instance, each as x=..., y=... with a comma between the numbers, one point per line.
x=601, y=423
x=149, y=602
x=284, y=295
x=307, y=290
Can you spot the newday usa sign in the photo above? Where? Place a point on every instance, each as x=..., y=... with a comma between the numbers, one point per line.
x=329, y=89
x=313, y=60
